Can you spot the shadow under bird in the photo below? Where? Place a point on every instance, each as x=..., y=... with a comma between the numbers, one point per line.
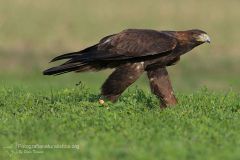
x=132, y=52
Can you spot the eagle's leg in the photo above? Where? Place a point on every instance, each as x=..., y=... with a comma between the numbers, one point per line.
x=161, y=86
x=120, y=79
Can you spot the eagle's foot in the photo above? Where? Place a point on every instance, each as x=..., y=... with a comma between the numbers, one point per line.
x=168, y=102
x=102, y=103
x=111, y=98
x=104, y=99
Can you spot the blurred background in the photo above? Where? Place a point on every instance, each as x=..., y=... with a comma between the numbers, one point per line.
x=33, y=32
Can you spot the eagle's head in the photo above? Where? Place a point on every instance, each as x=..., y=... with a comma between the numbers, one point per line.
x=199, y=36
x=192, y=38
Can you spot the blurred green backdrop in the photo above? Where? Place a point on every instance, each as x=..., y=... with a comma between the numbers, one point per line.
x=33, y=32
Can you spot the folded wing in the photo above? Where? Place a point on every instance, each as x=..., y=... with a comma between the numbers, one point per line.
x=126, y=45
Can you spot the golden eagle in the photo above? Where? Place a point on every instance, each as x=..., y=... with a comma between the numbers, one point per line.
x=131, y=52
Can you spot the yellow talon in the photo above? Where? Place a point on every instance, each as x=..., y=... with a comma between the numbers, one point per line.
x=101, y=101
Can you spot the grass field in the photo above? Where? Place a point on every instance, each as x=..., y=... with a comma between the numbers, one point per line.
x=205, y=125
x=36, y=109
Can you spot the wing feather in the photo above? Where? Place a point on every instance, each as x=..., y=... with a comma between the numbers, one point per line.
x=136, y=43
x=128, y=45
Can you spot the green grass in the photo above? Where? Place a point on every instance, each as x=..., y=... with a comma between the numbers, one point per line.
x=205, y=125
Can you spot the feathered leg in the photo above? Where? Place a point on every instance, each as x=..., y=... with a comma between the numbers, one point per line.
x=120, y=79
x=161, y=86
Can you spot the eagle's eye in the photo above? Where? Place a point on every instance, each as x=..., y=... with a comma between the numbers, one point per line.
x=203, y=38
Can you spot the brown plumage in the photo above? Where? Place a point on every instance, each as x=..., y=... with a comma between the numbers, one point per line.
x=132, y=52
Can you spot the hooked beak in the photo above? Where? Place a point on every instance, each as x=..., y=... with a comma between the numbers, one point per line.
x=204, y=38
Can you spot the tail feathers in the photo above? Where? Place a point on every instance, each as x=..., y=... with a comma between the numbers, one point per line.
x=64, y=69
x=84, y=60
x=73, y=54
x=65, y=56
